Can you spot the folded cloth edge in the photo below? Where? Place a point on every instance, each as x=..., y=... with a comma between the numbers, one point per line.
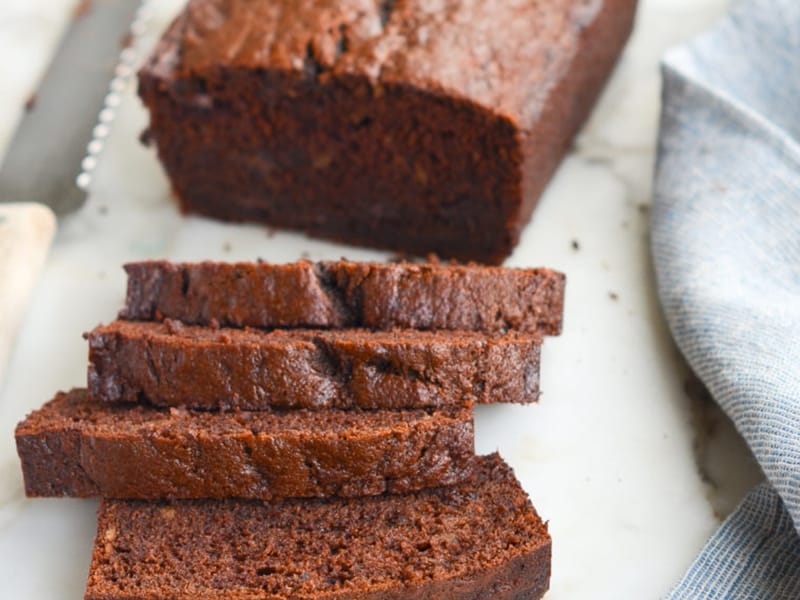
x=710, y=124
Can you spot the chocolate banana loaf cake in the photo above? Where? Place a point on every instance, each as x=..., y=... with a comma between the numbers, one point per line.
x=75, y=446
x=477, y=540
x=404, y=124
x=170, y=364
x=347, y=294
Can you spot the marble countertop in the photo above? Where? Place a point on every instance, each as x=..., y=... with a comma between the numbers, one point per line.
x=625, y=455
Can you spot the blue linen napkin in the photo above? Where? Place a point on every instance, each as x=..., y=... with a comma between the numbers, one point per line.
x=726, y=247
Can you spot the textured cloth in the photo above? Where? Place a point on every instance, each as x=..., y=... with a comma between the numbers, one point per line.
x=726, y=246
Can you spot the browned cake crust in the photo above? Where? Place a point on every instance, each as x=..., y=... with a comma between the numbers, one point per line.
x=347, y=294
x=74, y=446
x=477, y=540
x=169, y=364
x=403, y=124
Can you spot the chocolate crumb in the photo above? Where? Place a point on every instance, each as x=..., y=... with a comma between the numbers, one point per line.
x=146, y=137
x=173, y=326
x=433, y=258
x=82, y=8
x=613, y=295
x=30, y=103
x=126, y=41
x=403, y=258
x=576, y=245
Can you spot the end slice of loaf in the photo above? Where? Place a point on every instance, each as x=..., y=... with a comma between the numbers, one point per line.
x=75, y=446
x=347, y=294
x=479, y=539
x=169, y=364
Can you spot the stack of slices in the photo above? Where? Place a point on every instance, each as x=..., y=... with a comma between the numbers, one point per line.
x=303, y=431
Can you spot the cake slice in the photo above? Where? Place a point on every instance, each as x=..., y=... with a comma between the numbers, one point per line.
x=410, y=125
x=169, y=364
x=75, y=446
x=481, y=539
x=347, y=294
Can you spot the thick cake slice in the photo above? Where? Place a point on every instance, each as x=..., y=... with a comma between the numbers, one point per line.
x=477, y=540
x=74, y=446
x=169, y=364
x=406, y=124
x=347, y=294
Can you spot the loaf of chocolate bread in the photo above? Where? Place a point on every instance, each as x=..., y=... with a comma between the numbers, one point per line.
x=74, y=446
x=170, y=364
x=477, y=540
x=347, y=294
x=406, y=124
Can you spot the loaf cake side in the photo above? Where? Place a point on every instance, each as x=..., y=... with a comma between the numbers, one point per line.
x=74, y=446
x=477, y=540
x=171, y=364
x=404, y=125
x=347, y=294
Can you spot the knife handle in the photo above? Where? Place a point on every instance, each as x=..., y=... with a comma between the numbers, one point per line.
x=26, y=231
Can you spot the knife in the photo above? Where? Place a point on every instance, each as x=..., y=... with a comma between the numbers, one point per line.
x=58, y=141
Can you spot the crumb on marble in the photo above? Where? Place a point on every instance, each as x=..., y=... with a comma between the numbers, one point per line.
x=643, y=208
x=126, y=41
x=226, y=247
x=614, y=296
x=305, y=255
x=576, y=245
x=82, y=8
x=146, y=137
x=30, y=103
x=597, y=160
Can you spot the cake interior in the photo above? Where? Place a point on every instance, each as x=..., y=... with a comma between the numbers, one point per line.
x=340, y=155
x=468, y=537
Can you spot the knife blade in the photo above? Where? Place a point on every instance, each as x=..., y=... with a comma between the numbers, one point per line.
x=57, y=143
x=59, y=137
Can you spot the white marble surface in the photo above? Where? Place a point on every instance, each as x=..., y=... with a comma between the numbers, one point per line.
x=632, y=471
x=26, y=231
